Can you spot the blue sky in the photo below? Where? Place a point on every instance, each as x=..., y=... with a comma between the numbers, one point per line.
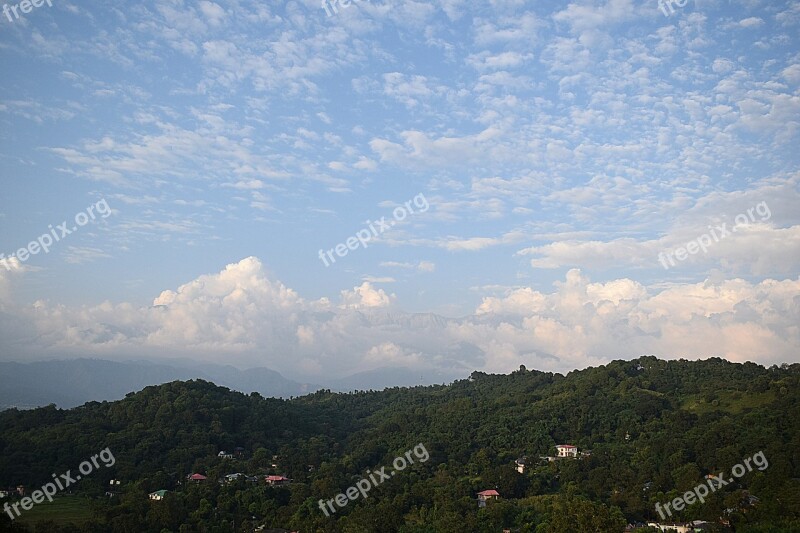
x=560, y=146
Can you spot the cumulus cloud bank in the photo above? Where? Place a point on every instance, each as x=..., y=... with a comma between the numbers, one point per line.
x=242, y=317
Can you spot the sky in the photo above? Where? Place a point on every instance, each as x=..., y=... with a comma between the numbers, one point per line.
x=445, y=186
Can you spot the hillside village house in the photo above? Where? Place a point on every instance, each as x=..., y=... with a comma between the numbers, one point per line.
x=113, y=488
x=567, y=450
x=520, y=464
x=197, y=478
x=158, y=495
x=277, y=480
x=486, y=495
x=231, y=478
x=224, y=455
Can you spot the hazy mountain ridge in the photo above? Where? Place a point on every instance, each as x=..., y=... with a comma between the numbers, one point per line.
x=70, y=383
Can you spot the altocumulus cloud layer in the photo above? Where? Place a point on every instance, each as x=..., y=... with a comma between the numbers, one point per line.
x=242, y=316
x=562, y=147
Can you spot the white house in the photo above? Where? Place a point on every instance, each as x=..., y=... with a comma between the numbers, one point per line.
x=567, y=450
x=521, y=462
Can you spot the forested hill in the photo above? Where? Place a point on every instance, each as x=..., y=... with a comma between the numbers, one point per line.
x=655, y=429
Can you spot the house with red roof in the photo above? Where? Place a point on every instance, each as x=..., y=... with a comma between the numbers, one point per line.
x=197, y=478
x=486, y=495
x=277, y=480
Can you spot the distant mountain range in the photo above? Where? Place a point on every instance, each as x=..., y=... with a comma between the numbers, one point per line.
x=69, y=383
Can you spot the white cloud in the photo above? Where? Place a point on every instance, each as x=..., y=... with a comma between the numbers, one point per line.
x=751, y=22
x=410, y=90
x=375, y=279
x=732, y=319
x=239, y=315
x=792, y=73
x=78, y=255
x=8, y=267
x=761, y=234
x=519, y=30
x=365, y=163
x=584, y=17
x=593, y=134
x=426, y=266
x=365, y=296
x=390, y=354
x=420, y=148
x=213, y=12
x=504, y=60
x=421, y=266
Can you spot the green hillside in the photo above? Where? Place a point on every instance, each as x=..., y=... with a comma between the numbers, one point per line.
x=654, y=428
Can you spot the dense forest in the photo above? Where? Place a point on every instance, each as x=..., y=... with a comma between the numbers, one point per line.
x=649, y=430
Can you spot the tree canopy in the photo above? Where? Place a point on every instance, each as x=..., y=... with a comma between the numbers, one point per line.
x=655, y=429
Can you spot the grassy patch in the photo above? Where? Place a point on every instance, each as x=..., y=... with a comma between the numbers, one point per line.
x=733, y=402
x=62, y=511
